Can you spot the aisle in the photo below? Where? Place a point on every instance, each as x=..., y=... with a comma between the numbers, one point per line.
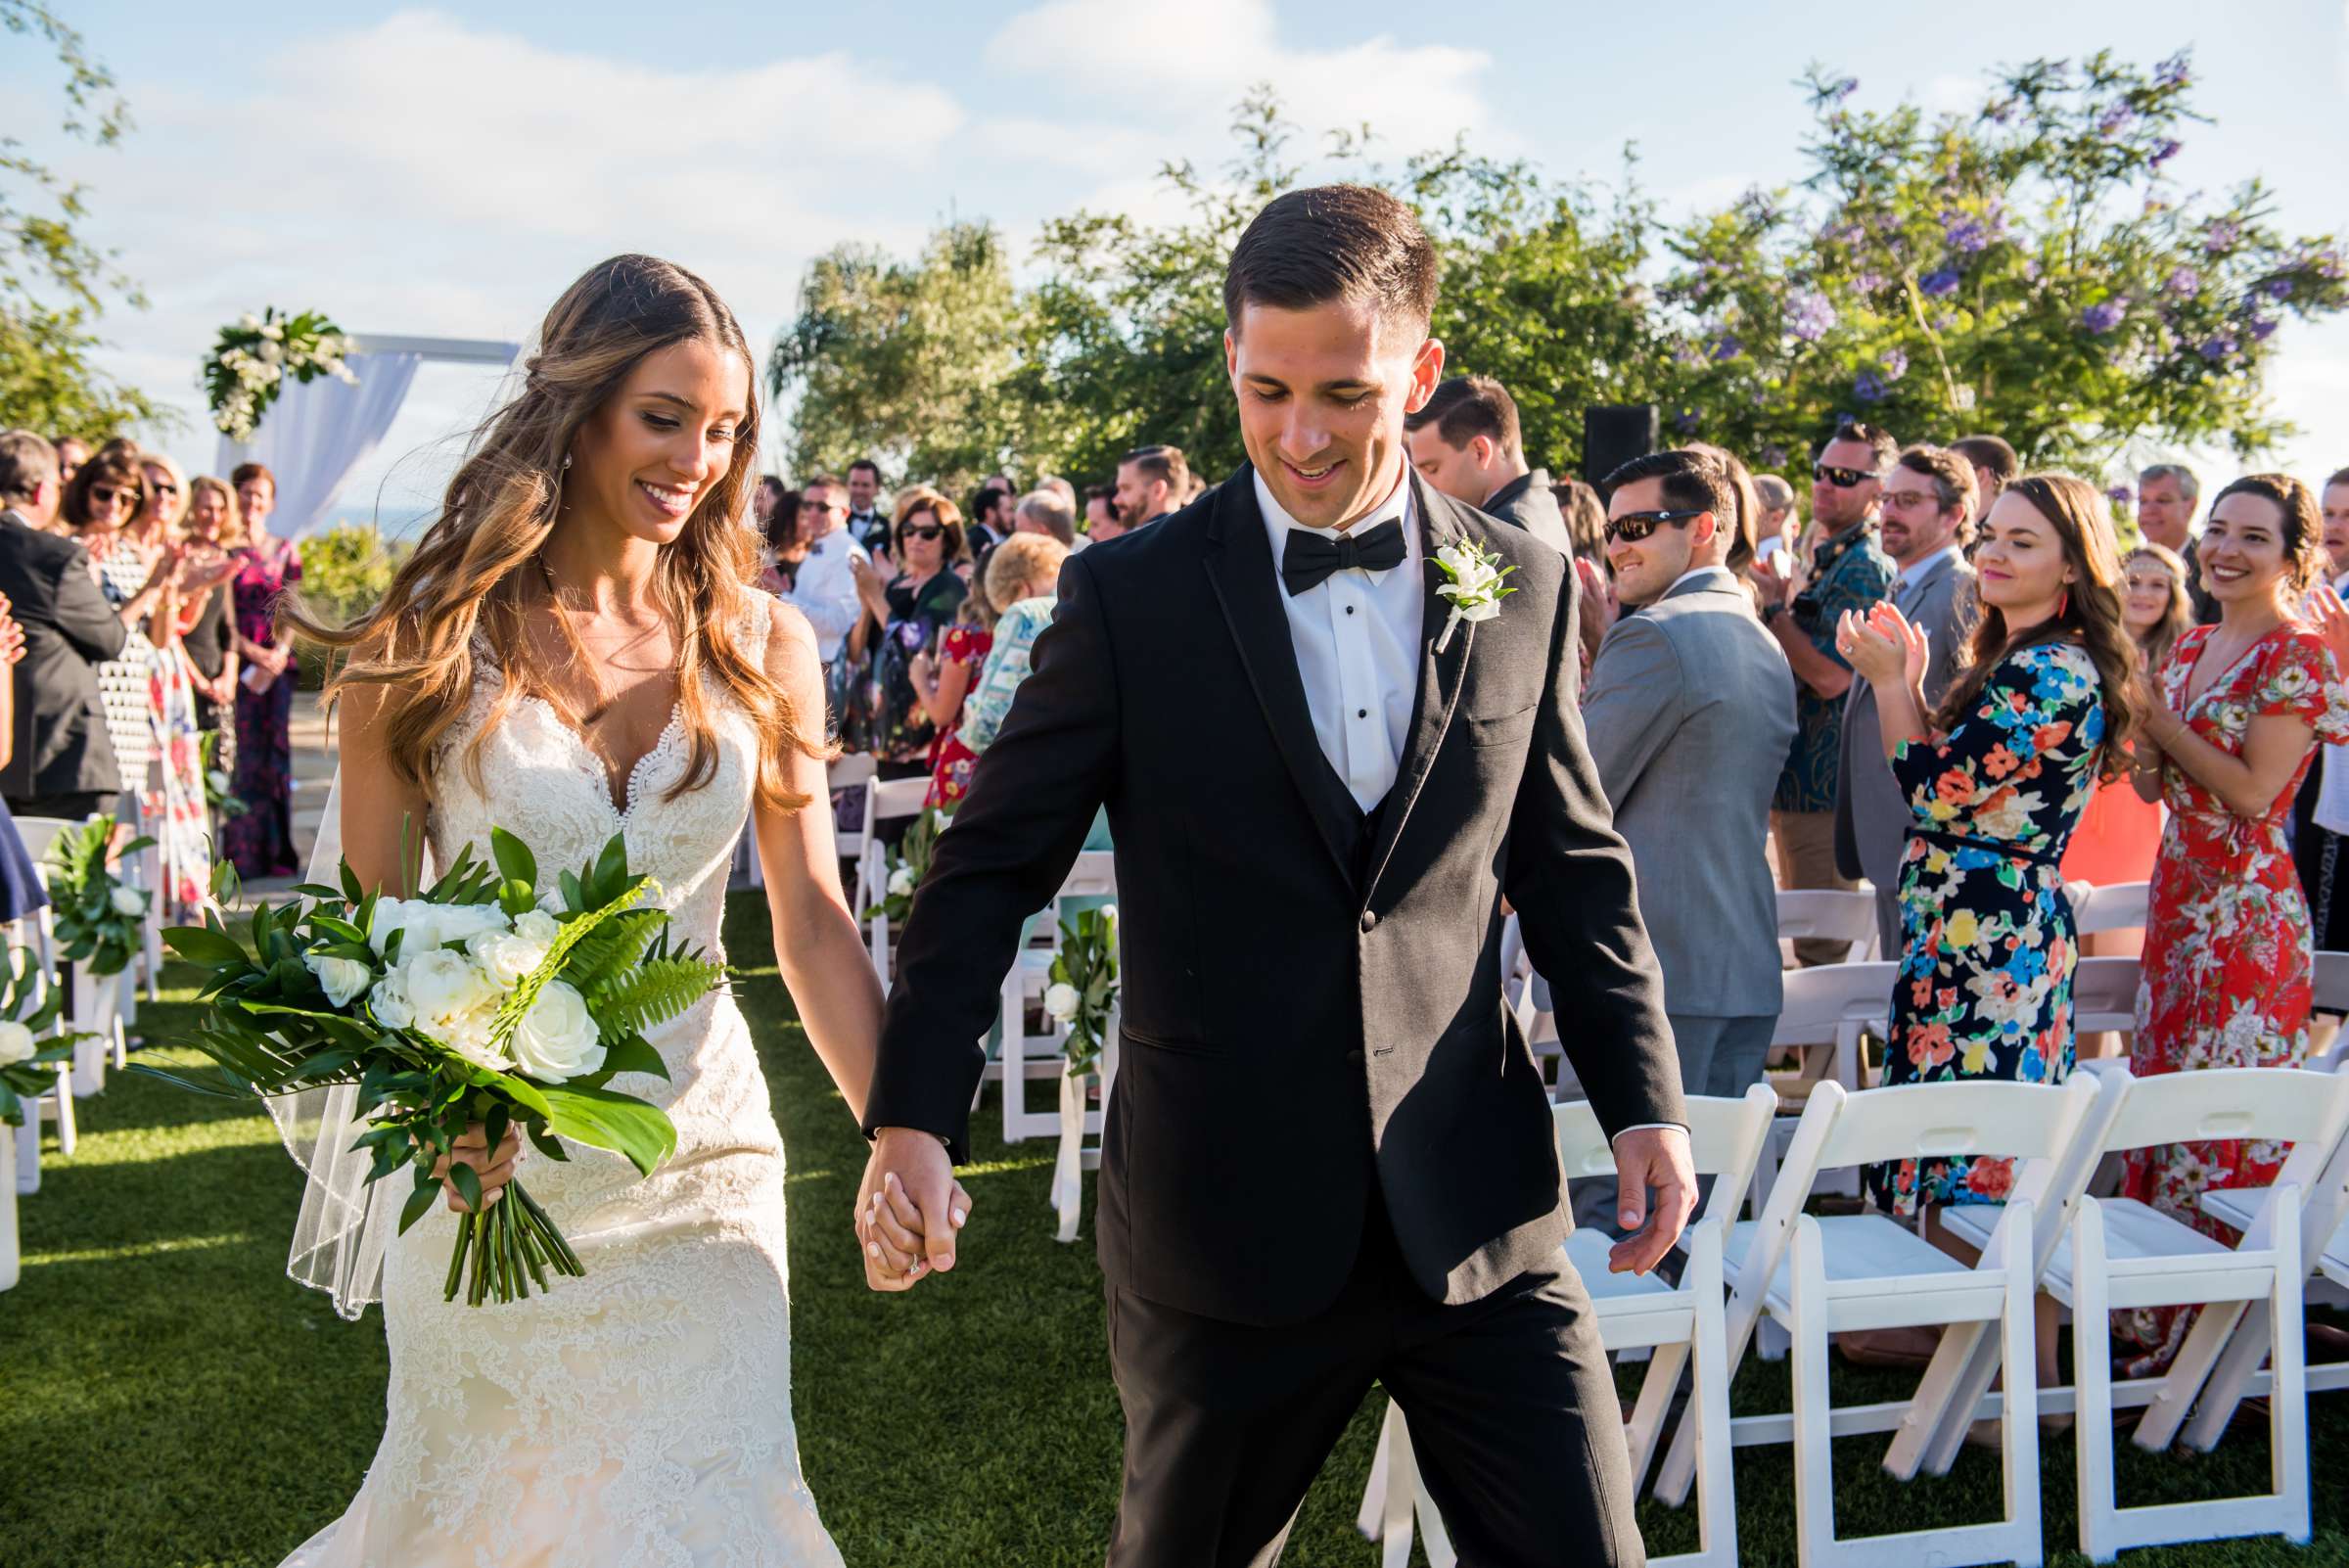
x=170, y=1399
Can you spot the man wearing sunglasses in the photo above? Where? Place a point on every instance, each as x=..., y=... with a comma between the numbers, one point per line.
x=824, y=589
x=1690, y=717
x=1847, y=571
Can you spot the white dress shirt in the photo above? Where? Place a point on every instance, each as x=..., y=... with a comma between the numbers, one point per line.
x=1357, y=634
x=2333, y=784
x=825, y=590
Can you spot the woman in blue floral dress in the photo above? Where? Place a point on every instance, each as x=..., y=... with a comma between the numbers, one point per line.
x=1996, y=781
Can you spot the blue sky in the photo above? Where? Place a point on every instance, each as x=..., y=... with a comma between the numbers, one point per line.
x=445, y=173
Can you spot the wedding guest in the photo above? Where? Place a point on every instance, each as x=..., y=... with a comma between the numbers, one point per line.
x=176, y=811
x=1152, y=482
x=1586, y=517
x=71, y=453
x=1994, y=465
x=2167, y=494
x=215, y=530
x=1926, y=513
x=21, y=890
x=993, y=517
x=2233, y=718
x=2119, y=834
x=783, y=541
x=1023, y=578
x=941, y=683
x=1689, y=712
x=1741, y=526
x=108, y=511
x=823, y=583
x=869, y=524
x=1846, y=570
x=259, y=841
x=1465, y=442
x=2321, y=811
x=1778, y=525
x=1042, y=512
x=1101, y=513
x=765, y=507
x=62, y=761
x=1061, y=488
x=1995, y=779
x=905, y=616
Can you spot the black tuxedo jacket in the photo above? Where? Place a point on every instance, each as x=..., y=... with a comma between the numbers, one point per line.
x=1312, y=999
x=61, y=747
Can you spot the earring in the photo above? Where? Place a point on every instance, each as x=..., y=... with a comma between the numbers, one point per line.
x=2063, y=603
x=566, y=462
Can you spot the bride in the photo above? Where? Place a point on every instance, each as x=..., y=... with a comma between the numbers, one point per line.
x=573, y=652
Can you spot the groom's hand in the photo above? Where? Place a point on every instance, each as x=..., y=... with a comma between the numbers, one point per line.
x=1651, y=1157
x=909, y=1210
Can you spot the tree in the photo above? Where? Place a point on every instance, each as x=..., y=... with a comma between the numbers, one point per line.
x=54, y=283
x=2028, y=268
x=904, y=363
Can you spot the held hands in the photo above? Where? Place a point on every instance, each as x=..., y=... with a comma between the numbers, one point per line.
x=910, y=1210
x=1651, y=1157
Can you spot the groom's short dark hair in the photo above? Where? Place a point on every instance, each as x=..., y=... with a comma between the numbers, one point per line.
x=1693, y=482
x=1333, y=243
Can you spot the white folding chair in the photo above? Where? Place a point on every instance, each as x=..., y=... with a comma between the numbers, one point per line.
x=1024, y=1057
x=1829, y=915
x=1822, y=1014
x=1825, y=1276
x=2104, y=994
x=144, y=871
x=885, y=800
x=1683, y=1324
x=2126, y=1253
x=848, y=773
x=2107, y=906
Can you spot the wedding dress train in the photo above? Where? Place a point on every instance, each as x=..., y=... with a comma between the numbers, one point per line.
x=640, y=1415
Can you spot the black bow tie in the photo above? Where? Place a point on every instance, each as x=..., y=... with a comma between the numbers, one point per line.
x=1312, y=554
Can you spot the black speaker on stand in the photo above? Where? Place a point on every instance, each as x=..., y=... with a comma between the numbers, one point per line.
x=1613, y=434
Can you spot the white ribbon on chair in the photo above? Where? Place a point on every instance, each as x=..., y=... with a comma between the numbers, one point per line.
x=1068, y=1167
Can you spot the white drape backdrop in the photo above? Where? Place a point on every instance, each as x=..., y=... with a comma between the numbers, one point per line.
x=315, y=434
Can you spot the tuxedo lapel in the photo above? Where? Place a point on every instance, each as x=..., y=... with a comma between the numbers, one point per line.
x=1441, y=676
x=1239, y=567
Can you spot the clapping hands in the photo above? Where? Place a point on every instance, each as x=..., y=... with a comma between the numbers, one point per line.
x=1882, y=647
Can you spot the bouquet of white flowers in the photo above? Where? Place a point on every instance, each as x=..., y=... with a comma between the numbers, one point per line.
x=484, y=1000
x=911, y=865
x=252, y=361
x=1084, y=989
x=97, y=917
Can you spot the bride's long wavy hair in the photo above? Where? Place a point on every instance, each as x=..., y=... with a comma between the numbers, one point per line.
x=478, y=567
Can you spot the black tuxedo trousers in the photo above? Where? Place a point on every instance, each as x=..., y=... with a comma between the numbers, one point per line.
x=1324, y=1120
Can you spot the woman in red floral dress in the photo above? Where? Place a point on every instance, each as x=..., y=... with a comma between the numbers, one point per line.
x=2234, y=717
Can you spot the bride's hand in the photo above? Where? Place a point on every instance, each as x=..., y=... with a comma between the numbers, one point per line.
x=891, y=1227
x=495, y=1169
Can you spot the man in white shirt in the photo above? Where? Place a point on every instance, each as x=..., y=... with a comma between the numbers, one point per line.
x=1928, y=502
x=867, y=520
x=825, y=592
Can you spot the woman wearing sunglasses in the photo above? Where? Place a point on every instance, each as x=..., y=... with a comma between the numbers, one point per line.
x=903, y=620
x=138, y=574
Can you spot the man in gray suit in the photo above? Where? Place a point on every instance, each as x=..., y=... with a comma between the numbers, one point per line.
x=1465, y=443
x=1928, y=502
x=1690, y=717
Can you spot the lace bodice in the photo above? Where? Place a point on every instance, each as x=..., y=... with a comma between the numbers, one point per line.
x=640, y=1415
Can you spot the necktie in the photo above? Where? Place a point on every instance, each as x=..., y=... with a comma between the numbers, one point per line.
x=1312, y=554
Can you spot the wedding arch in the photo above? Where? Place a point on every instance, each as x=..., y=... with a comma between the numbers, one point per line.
x=317, y=432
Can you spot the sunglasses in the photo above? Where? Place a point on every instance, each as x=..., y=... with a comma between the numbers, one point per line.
x=1843, y=479
x=162, y=486
x=932, y=532
x=821, y=506
x=1632, y=526
x=108, y=494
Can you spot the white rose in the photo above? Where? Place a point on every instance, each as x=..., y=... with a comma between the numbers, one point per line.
x=400, y=914
x=217, y=781
x=1480, y=610
x=129, y=902
x=539, y=926
x=343, y=978
x=901, y=881
x=556, y=1039
x=1109, y=912
x=1060, y=1000
x=471, y=1041
x=250, y=322
x=273, y=332
x=508, y=957
x=447, y=990
x=462, y=922
x=390, y=1001
x=16, y=1043
x=271, y=353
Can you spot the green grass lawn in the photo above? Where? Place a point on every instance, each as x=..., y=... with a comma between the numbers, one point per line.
x=168, y=1398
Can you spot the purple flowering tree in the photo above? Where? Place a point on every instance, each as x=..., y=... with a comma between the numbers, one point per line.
x=2029, y=268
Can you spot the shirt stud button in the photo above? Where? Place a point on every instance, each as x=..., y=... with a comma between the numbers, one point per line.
x=1355, y=1057
x=1349, y=608
x=1361, y=713
x=1370, y=919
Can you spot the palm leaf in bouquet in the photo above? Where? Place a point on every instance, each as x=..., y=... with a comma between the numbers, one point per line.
x=485, y=1001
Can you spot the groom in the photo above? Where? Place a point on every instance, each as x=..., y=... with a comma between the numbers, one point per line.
x=1328, y=1157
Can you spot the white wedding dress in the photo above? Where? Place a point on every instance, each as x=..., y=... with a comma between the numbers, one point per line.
x=640, y=1415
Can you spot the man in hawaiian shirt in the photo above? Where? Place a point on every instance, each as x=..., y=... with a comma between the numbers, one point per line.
x=1847, y=571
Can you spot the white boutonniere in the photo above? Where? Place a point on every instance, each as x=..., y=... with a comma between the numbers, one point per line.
x=1475, y=589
